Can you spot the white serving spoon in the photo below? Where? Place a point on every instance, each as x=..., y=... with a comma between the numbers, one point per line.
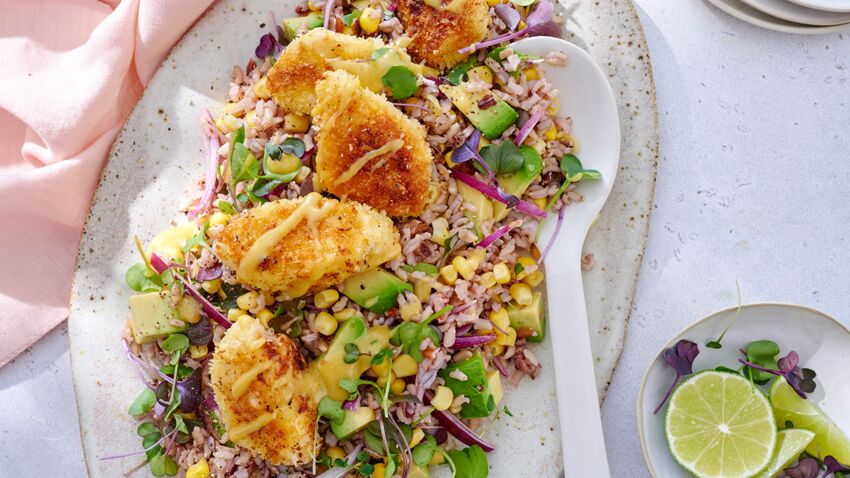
x=585, y=96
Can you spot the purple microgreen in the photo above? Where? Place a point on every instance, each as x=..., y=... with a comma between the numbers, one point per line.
x=190, y=392
x=495, y=193
x=210, y=310
x=807, y=468
x=538, y=23
x=200, y=333
x=554, y=236
x=472, y=341
x=800, y=379
x=545, y=29
x=833, y=466
x=681, y=357
x=716, y=344
x=508, y=14
x=266, y=46
x=528, y=126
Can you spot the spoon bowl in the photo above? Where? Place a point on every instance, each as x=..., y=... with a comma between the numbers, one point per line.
x=585, y=96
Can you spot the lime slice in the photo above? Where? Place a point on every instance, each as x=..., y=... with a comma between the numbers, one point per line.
x=788, y=406
x=719, y=425
x=789, y=446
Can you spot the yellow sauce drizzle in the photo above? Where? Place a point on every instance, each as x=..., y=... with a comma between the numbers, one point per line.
x=241, y=384
x=390, y=147
x=244, y=429
x=455, y=6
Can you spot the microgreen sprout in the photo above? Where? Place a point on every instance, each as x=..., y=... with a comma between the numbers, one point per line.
x=833, y=467
x=800, y=379
x=716, y=344
x=681, y=357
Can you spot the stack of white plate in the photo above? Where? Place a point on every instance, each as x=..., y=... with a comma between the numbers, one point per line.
x=793, y=16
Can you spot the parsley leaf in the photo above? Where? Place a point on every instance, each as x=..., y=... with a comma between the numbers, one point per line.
x=401, y=82
x=503, y=158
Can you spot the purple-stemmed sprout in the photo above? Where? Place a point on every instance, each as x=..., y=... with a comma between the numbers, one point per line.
x=539, y=23
x=800, y=379
x=190, y=392
x=833, y=466
x=681, y=357
x=807, y=468
x=268, y=46
x=209, y=309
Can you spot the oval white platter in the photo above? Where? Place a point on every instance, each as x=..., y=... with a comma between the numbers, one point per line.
x=822, y=342
x=158, y=155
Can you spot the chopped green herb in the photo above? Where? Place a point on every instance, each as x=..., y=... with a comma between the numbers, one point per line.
x=400, y=81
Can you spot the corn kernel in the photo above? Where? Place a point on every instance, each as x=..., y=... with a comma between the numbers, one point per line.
x=189, y=310
x=269, y=298
x=507, y=340
x=553, y=108
x=326, y=298
x=219, y=218
x=477, y=256
x=449, y=161
x=228, y=123
x=457, y=405
x=286, y=164
x=198, y=352
x=487, y=279
x=234, y=109
x=464, y=267
x=483, y=73
x=380, y=369
x=502, y=273
x=345, y=314
x=410, y=309
x=500, y=319
x=265, y=316
x=233, y=314
x=211, y=286
x=443, y=398
x=495, y=349
x=440, y=232
x=200, y=469
x=294, y=123
x=521, y=293
x=326, y=324
x=335, y=452
x=397, y=387
x=493, y=3
x=251, y=119
x=405, y=366
x=438, y=459
x=527, y=263
x=383, y=379
x=540, y=202
x=381, y=470
x=449, y=274
x=551, y=134
x=244, y=317
x=302, y=174
x=370, y=19
x=261, y=89
x=532, y=74
x=417, y=437
x=422, y=289
x=534, y=279
x=248, y=300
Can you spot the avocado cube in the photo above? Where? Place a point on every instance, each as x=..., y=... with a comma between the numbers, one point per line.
x=153, y=317
x=352, y=422
x=492, y=121
x=331, y=364
x=517, y=182
x=417, y=471
x=532, y=316
x=482, y=204
x=475, y=387
x=292, y=26
x=376, y=290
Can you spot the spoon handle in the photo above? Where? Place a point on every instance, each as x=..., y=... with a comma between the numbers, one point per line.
x=582, y=440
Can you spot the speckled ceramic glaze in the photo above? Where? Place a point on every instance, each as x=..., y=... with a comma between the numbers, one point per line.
x=158, y=155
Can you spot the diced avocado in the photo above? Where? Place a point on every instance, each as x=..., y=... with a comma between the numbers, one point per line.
x=352, y=422
x=476, y=387
x=492, y=121
x=417, y=471
x=532, y=316
x=376, y=290
x=331, y=365
x=483, y=206
x=153, y=317
x=517, y=182
x=292, y=26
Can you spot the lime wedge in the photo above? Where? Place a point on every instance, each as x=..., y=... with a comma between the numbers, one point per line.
x=718, y=425
x=789, y=446
x=788, y=406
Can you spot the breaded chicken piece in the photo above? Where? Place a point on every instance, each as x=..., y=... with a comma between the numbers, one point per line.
x=368, y=150
x=292, y=79
x=266, y=397
x=296, y=246
x=437, y=34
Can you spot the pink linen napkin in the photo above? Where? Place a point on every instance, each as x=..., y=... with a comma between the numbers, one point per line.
x=71, y=72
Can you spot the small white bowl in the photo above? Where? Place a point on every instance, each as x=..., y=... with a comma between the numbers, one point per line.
x=822, y=342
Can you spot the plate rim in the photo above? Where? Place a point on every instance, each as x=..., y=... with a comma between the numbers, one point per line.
x=780, y=25
x=822, y=7
x=654, y=149
x=783, y=15
x=691, y=326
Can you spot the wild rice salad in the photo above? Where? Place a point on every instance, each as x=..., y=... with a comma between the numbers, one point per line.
x=357, y=275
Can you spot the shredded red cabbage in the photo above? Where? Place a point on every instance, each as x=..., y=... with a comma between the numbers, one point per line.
x=498, y=233
x=527, y=127
x=472, y=341
x=458, y=430
x=541, y=15
x=491, y=192
x=501, y=367
x=554, y=236
x=329, y=8
x=211, y=181
x=210, y=310
x=209, y=273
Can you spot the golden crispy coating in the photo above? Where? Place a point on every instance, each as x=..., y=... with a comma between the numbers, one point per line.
x=320, y=242
x=266, y=398
x=368, y=150
x=437, y=34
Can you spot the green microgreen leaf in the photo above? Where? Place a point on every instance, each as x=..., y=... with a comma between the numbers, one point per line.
x=763, y=353
x=518, y=268
x=716, y=344
x=147, y=428
x=352, y=353
x=424, y=451
x=143, y=403
x=148, y=442
x=225, y=207
x=351, y=386
x=293, y=146
x=244, y=165
x=428, y=269
x=199, y=239
x=172, y=406
x=470, y=462
x=175, y=343
x=456, y=74
x=381, y=356
x=141, y=279
x=163, y=465
x=380, y=52
x=183, y=371
x=507, y=411
x=348, y=19
x=331, y=409
x=400, y=81
x=180, y=424
x=503, y=158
